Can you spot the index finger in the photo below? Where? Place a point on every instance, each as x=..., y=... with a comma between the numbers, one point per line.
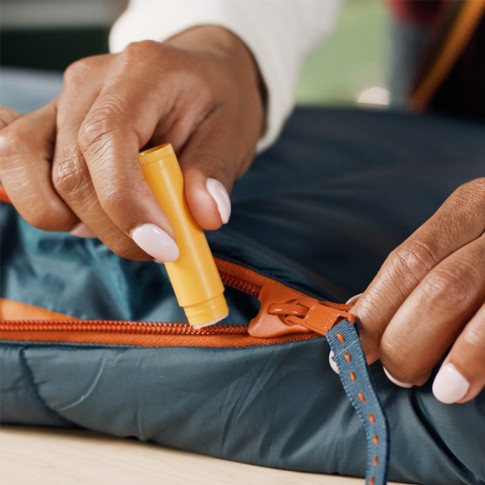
x=118, y=125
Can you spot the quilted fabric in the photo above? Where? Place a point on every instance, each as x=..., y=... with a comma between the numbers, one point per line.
x=319, y=212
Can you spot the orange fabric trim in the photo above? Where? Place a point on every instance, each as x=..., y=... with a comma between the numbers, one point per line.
x=23, y=322
x=10, y=331
x=468, y=18
x=16, y=310
x=3, y=195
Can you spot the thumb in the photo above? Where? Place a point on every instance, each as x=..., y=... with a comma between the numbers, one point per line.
x=207, y=197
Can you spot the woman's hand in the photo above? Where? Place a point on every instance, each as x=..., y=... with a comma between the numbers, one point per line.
x=73, y=166
x=428, y=301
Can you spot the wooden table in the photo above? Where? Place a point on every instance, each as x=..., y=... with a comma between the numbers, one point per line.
x=31, y=455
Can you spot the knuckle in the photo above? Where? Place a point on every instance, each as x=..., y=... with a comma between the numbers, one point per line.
x=476, y=186
x=446, y=290
x=78, y=71
x=164, y=62
x=69, y=176
x=144, y=50
x=469, y=198
x=414, y=259
x=94, y=132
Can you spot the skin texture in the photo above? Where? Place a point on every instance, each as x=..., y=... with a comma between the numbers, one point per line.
x=428, y=299
x=75, y=160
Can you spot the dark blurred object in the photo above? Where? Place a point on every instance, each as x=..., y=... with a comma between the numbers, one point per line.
x=439, y=56
x=460, y=86
x=52, y=49
x=51, y=34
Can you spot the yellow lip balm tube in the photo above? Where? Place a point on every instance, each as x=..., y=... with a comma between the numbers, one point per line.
x=194, y=276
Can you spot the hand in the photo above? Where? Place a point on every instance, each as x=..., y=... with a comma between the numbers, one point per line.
x=75, y=160
x=428, y=297
x=7, y=116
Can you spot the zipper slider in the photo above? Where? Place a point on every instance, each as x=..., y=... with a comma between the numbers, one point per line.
x=286, y=311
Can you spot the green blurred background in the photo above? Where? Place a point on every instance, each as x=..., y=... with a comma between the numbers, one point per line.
x=351, y=60
x=50, y=34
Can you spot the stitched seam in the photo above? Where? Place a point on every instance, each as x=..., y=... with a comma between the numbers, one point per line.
x=34, y=391
x=353, y=387
x=89, y=345
x=360, y=411
x=435, y=435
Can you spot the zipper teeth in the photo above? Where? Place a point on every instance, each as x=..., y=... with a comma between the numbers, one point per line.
x=179, y=328
x=154, y=328
x=239, y=284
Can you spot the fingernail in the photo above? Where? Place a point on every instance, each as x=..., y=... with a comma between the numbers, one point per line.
x=333, y=364
x=81, y=230
x=406, y=385
x=449, y=385
x=221, y=197
x=156, y=242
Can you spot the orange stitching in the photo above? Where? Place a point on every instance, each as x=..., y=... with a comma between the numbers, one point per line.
x=372, y=419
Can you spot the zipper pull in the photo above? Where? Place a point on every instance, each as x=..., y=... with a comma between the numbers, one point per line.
x=286, y=311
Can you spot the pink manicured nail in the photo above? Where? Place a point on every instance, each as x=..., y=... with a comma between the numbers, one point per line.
x=449, y=385
x=332, y=362
x=406, y=385
x=156, y=242
x=221, y=197
x=81, y=230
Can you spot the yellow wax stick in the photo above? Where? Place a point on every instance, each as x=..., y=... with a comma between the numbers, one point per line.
x=194, y=276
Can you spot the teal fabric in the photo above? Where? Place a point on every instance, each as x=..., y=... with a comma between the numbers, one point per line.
x=279, y=406
x=320, y=211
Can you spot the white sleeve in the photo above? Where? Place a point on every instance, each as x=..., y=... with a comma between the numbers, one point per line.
x=279, y=33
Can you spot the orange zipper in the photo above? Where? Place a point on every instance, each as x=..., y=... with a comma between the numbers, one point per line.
x=285, y=315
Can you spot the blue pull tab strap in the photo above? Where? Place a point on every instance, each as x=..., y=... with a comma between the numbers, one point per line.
x=344, y=340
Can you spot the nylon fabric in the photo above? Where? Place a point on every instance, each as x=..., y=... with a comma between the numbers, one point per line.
x=319, y=212
x=280, y=406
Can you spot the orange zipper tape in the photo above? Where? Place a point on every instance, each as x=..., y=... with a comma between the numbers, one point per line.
x=286, y=315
